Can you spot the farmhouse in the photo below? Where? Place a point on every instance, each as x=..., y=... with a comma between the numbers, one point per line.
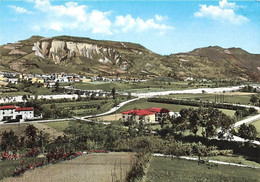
x=149, y=115
x=12, y=112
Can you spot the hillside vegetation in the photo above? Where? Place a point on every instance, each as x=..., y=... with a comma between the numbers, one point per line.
x=108, y=58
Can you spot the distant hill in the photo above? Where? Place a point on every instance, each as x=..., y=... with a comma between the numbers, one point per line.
x=94, y=57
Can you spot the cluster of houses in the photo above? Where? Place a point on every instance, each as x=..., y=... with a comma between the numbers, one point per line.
x=149, y=115
x=48, y=80
x=15, y=113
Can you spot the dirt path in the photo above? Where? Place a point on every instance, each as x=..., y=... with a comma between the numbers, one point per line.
x=90, y=168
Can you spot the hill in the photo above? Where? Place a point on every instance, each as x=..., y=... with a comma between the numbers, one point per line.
x=94, y=57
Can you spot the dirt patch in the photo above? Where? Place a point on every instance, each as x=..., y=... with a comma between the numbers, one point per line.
x=112, y=117
x=91, y=168
x=238, y=93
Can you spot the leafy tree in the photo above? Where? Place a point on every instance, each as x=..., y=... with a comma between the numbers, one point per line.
x=247, y=131
x=9, y=141
x=254, y=99
x=129, y=95
x=113, y=92
x=31, y=133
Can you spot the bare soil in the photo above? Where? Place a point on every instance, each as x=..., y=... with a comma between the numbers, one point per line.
x=112, y=117
x=91, y=168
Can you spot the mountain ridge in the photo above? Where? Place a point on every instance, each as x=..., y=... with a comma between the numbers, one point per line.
x=112, y=58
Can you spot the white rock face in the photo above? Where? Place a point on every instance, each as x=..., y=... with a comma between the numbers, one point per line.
x=36, y=48
x=59, y=50
x=57, y=45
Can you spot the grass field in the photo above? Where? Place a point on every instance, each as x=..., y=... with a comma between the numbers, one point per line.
x=8, y=166
x=19, y=129
x=235, y=159
x=142, y=104
x=236, y=97
x=257, y=125
x=92, y=168
x=168, y=170
x=60, y=126
x=138, y=86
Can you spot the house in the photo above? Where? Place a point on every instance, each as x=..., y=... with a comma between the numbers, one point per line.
x=149, y=115
x=12, y=112
x=37, y=79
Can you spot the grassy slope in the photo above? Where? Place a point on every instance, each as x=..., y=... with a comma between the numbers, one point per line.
x=7, y=167
x=167, y=169
x=142, y=104
x=257, y=125
x=60, y=126
x=242, y=99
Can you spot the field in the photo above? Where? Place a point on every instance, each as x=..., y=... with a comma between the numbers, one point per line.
x=112, y=117
x=59, y=125
x=167, y=169
x=92, y=168
x=7, y=167
x=19, y=129
x=138, y=86
x=236, y=97
x=257, y=125
x=142, y=104
x=80, y=108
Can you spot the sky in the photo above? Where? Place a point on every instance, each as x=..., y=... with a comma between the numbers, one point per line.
x=164, y=27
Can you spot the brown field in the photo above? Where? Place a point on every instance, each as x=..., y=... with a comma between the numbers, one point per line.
x=112, y=117
x=90, y=168
x=20, y=128
x=237, y=93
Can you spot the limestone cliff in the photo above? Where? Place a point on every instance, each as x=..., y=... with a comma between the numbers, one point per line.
x=60, y=50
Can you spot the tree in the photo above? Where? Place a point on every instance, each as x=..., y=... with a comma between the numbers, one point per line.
x=24, y=98
x=57, y=86
x=248, y=132
x=9, y=141
x=113, y=92
x=31, y=133
x=254, y=99
x=129, y=95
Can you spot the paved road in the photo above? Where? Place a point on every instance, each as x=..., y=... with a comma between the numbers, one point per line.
x=212, y=161
x=247, y=121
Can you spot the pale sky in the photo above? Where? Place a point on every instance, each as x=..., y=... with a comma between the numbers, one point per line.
x=164, y=27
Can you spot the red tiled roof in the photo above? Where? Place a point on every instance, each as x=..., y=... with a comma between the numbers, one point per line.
x=148, y=111
x=24, y=109
x=158, y=110
x=7, y=107
x=139, y=112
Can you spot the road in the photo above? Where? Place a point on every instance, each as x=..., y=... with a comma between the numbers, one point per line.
x=211, y=161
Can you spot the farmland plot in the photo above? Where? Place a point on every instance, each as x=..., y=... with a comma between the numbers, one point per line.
x=91, y=168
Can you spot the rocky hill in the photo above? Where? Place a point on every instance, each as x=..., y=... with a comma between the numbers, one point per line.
x=92, y=57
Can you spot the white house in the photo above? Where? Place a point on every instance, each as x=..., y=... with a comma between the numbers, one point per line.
x=12, y=112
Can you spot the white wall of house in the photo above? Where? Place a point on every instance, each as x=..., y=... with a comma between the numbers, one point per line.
x=12, y=114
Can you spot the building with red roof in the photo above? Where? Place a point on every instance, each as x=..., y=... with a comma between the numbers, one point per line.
x=149, y=115
x=11, y=112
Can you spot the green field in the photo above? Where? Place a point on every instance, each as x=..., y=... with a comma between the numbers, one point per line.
x=257, y=125
x=84, y=107
x=138, y=86
x=8, y=166
x=168, y=170
x=142, y=104
x=60, y=125
x=237, y=99
x=235, y=159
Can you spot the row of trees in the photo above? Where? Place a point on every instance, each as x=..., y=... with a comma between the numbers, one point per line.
x=208, y=119
x=32, y=138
